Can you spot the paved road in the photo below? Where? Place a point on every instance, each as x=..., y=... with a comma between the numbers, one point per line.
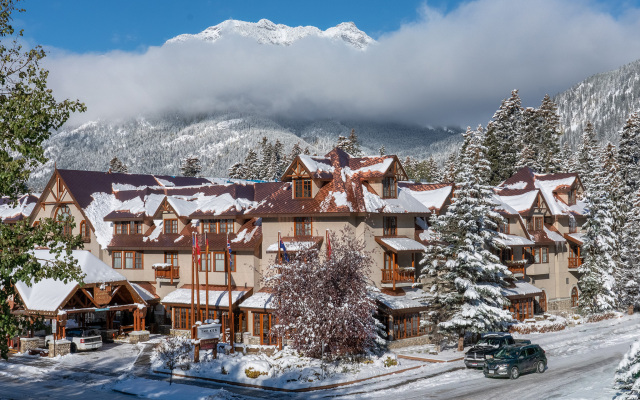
x=582, y=362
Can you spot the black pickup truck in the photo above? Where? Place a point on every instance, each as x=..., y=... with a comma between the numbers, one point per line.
x=488, y=345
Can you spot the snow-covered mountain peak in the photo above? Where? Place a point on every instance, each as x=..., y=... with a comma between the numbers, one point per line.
x=267, y=32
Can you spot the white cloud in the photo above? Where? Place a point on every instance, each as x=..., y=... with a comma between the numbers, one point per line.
x=444, y=69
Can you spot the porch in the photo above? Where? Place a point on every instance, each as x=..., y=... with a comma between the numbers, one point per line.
x=394, y=273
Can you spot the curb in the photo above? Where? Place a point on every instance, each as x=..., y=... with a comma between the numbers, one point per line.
x=429, y=360
x=277, y=389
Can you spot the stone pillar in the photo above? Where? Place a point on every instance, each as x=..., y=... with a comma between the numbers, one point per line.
x=138, y=337
x=27, y=344
x=61, y=348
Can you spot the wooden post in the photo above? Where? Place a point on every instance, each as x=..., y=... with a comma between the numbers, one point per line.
x=206, y=275
x=231, y=332
x=393, y=270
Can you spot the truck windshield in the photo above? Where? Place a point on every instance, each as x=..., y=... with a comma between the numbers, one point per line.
x=493, y=342
x=508, y=352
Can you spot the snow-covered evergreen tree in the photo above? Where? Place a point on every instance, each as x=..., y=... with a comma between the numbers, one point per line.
x=382, y=150
x=191, y=166
x=548, y=155
x=628, y=276
x=265, y=170
x=588, y=156
x=566, y=156
x=251, y=166
x=351, y=144
x=503, y=139
x=597, y=282
x=629, y=154
x=468, y=276
x=236, y=171
x=527, y=158
x=278, y=161
x=450, y=168
x=627, y=374
x=117, y=166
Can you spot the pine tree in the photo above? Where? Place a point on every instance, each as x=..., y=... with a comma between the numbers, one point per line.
x=351, y=144
x=382, y=150
x=527, y=158
x=278, y=161
x=566, y=157
x=628, y=276
x=629, y=154
x=191, y=166
x=627, y=374
x=432, y=172
x=588, y=158
x=265, y=170
x=450, y=168
x=468, y=284
x=117, y=166
x=597, y=282
x=503, y=139
x=548, y=155
x=236, y=171
x=250, y=166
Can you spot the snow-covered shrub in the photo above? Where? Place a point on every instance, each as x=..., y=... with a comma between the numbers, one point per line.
x=626, y=378
x=253, y=373
x=173, y=352
x=601, y=316
x=390, y=362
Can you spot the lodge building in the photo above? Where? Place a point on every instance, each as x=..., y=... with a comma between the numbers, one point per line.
x=142, y=226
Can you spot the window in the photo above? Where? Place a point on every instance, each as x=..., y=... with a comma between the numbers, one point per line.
x=389, y=187
x=84, y=231
x=303, y=226
x=135, y=228
x=390, y=226
x=573, y=225
x=574, y=297
x=171, y=257
x=529, y=224
x=537, y=254
x=262, y=328
x=218, y=261
x=388, y=261
x=181, y=316
x=503, y=227
x=127, y=259
x=205, y=262
x=544, y=252
x=506, y=255
x=128, y=228
x=63, y=214
x=170, y=226
x=571, y=198
x=407, y=325
x=217, y=226
x=117, y=260
x=302, y=188
x=537, y=223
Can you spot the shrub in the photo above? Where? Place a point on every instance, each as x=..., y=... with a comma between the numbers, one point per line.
x=601, y=316
x=252, y=373
x=390, y=362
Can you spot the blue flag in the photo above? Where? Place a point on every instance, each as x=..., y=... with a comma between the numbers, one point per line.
x=284, y=250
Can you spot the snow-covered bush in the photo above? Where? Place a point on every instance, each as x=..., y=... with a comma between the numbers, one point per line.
x=601, y=316
x=626, y=379
x=173, y=352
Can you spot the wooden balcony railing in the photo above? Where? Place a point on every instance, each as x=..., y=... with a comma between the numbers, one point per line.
x=575, y=262
x=516, y=269
x=172, y=273
x=398, y=275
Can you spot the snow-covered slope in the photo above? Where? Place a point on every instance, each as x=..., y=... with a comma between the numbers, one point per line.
x=266, y=32
x=605, y=99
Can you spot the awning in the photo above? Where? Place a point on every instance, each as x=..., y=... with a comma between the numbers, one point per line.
x=400, y=244
x=217, y=298
x=410, y=299
x=521, y=289
x=577, y=238
x=259, y=301
x=513, y=240
x=296, y=243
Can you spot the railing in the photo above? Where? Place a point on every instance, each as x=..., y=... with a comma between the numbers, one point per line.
x=516, y=269
x=575, y=262
x=398, y=275
x=170, y=273
x=516, y=266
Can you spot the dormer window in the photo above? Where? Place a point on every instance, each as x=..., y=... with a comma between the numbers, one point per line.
x=170, y=226
x=128, y=228
x=571, y=197
x=302, y=188
x=389, y=187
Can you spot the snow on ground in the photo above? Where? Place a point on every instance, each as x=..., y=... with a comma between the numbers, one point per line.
x=150, y=389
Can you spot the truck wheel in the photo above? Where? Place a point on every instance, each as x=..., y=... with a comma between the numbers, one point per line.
x=514, y=373
x=74, y=347
x=540, y=367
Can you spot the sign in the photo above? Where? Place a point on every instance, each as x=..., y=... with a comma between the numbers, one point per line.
x=102, y=309
x=54, y=327
x=102, y=296
x=209, y=331
x=208, y=344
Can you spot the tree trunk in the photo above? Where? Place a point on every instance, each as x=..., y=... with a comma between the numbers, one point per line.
x=630, y=309
x=461, y=342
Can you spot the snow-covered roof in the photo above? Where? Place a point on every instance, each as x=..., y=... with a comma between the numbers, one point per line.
x=315, y=164
x=520, y=288
x=293, y=246
x=412, y=298
x=404, y=203
x=217, y=298
x=431, y=199
x=48, y=294
x=553, y=235
x=513, y=240
x=521, y=202
x=261, y=300
x=402, y=244
x=21, y=209
x=142, y=292
x=577, y=237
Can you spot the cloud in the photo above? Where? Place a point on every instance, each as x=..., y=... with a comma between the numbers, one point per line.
x=445, y=69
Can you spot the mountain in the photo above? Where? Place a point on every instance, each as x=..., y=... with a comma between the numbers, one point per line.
x=605, y=99
x=266, y=32
x=159, y=144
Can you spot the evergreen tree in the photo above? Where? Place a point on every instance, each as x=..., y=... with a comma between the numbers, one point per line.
x=432, y=172
x=468, y=282
x=296, y=150
x=382, y=150
x=527, y=158
x=250, y=166
x=236, y=171
x=548, y=155
x=191, y=166
x=265, y=170
x=588, y=158
x=613, y=179
x=503, y=139
x=117, y=166
x=627, y=374
x=450, y=168
x=278, y=161
x=629, y=155
x=628, y=276
x=597, y=282
x=351, y=144
x=566, y=156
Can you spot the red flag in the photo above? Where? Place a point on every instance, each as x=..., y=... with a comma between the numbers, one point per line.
x=328, y=245
x=197, y=249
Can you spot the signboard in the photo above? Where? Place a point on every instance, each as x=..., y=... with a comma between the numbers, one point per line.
x=208, y=344
x=102, y=296
x=209, y=331
x=54, y=327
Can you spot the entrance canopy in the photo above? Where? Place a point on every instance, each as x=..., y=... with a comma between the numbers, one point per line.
x=400, y=244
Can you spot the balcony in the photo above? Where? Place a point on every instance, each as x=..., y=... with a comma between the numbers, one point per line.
x=168, y=273
x=575, y=262
x=404, y=275
x=516, y=267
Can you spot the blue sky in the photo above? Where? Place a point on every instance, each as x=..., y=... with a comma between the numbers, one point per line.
x=435, y=63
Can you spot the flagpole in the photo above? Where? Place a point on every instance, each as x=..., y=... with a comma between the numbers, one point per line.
x=197, y=262
x=193, y=249
x=278, y=244
x=206, y=274
x=231, y=332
